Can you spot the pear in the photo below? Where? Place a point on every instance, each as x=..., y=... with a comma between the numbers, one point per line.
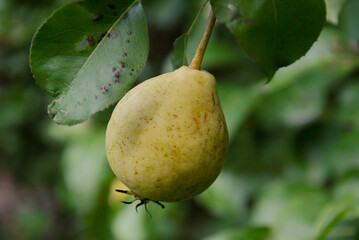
x=167, y=137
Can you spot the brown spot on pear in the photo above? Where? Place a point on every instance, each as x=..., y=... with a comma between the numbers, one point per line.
x=168, y=165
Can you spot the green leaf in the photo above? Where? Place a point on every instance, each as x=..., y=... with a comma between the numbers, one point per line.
x=329, y=217
x=349, y=18
x=84, y=73
x=275, y=33
x=179, y=57
x=283, y=206
x=296, y=218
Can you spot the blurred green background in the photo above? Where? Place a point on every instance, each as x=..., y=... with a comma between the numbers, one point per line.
x=292, y=169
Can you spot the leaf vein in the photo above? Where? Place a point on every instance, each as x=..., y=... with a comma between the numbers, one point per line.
x=90, y=57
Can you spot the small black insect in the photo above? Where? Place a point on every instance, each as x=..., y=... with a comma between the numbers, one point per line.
x=129, y=33
x=143, y=201
x=127, y=41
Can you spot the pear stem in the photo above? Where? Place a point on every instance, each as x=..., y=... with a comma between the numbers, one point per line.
x=201, y=49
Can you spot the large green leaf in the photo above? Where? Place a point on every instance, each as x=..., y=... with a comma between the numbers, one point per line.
x=88, y=54
x=275, y=33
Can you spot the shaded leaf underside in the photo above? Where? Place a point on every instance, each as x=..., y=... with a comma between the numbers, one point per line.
x=275, y=33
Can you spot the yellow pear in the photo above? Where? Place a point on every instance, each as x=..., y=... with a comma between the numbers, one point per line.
x=167, y=137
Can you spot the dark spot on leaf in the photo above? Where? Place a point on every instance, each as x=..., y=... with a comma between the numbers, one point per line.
x=130, y=73
x=122, y=64
x=132, y=69
x=116, y=80
x=124, y=54
x=95, y=97
x=247, y=21
x=109, y=84
x=127, y=41
x=112, y=6
x=97, y=16
x=91, y=40
x=50, y=113
x=102, y=34
x=129, y=33
x=103, y=89
x=116, y=73
x=108, y=35
x=114, y=35
x=124, y=16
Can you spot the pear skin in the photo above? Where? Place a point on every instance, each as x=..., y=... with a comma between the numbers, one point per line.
x=167, y=137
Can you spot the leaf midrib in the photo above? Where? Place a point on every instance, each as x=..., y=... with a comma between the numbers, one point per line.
x=96, y=48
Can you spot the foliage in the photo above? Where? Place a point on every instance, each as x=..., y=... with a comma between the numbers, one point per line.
x=274, y=33
x=73, y=48
x=292, y=170
x=87, y=55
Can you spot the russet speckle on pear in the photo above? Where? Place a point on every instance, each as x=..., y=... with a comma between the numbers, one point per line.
x=167, y=137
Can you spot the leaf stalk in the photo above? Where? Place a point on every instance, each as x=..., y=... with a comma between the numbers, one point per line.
x=201, y=49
